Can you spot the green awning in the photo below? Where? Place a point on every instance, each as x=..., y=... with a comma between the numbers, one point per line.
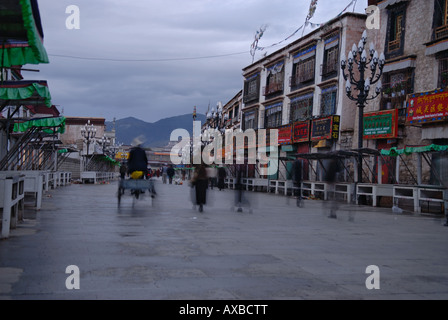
x=109, y=159
x=48, y=125
x=394, y=152
x=20, y=91
x=21, y=36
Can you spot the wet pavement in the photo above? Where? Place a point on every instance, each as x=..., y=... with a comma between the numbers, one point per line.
x=165, y=249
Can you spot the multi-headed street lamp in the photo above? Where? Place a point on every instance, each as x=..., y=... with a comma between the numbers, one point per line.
x=104, y=141
x=362, y=83
x=88, y=133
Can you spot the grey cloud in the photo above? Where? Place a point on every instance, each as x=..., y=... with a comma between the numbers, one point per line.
x=153, y=29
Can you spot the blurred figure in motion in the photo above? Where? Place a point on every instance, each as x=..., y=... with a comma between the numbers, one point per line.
x=240, y=200
x=221, y=178
x=297, y=178
x=331, y=175
x=123, y=170
x=200, y=184
x=164, y=173
x=212, y=174
x=137, y=158
x=137, y=164
x=170, y=173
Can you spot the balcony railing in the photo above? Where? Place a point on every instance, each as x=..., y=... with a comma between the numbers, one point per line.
x=300, y=78
x=250, y=97
x=273, y=88
x=394, y=45
x=330, y=67
x=441, y=32
x=394, y=97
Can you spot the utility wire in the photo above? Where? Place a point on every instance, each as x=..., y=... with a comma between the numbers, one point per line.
x=147, y=60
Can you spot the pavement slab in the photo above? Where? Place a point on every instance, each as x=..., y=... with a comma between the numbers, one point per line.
x=164, y=248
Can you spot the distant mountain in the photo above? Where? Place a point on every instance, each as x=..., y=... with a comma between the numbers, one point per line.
x=156, y=134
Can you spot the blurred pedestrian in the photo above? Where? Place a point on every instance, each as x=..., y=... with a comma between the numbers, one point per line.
x=221, y=178
x=164, y=173
x=138, y=161
x=200, y=183
x=240, y=200
x=297, y=178
x=183, y=174
x=212, y=174
x=170, y=173
x=123, y=170
x=331, y=174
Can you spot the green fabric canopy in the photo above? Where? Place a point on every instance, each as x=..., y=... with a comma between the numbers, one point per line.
x=393, y=152
x=49, y=125
x=20, y=53
x=25, y=92
x=109, y=159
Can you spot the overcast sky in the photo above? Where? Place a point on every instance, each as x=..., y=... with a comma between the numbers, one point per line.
x=96, y=81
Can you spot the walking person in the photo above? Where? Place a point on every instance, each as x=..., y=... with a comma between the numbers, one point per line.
x=212, y=174
x=170, y=173
x=240, y=200
x=297, y=176
x=221, y=178
x=123, y=170
x=331, y=174
x=164, y=173
x=200, y=184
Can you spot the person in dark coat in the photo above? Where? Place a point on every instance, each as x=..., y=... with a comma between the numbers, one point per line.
x=170, y=173
x=331, y=174
x=221, y=178
x=123, y=170
x=200, y=183
x=297, y=178
x=138, y=160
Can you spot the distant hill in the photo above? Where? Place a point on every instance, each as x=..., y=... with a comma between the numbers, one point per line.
x=156, y=134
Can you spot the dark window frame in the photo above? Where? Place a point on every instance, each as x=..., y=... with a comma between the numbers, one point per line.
x=440, y=20
x=395, y=47
x=303, y=73
x=273, y=120
x=252, y=90
x=306, y=104
x=332, y=96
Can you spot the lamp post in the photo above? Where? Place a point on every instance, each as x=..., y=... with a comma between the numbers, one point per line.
x=104, y=140
x=88, y=133
x=358, y=56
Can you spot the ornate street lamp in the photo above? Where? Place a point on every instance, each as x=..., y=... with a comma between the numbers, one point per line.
x=88, y=133
x=358, y=56
x=104, y=140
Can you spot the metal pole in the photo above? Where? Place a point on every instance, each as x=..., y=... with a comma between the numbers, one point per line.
x=360, y=137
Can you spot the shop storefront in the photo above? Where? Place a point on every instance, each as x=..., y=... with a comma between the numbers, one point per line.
x=382, y=126
x=324, y=132
x=301, y=142
x=430, y=111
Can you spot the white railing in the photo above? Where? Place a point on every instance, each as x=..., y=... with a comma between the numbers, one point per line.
x=11, y=201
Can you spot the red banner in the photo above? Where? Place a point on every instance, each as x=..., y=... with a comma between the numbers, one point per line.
x=284, y=135
x=427, y=107
x=301, y=131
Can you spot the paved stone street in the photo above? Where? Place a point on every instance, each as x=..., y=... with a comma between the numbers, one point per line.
x=168, y=250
